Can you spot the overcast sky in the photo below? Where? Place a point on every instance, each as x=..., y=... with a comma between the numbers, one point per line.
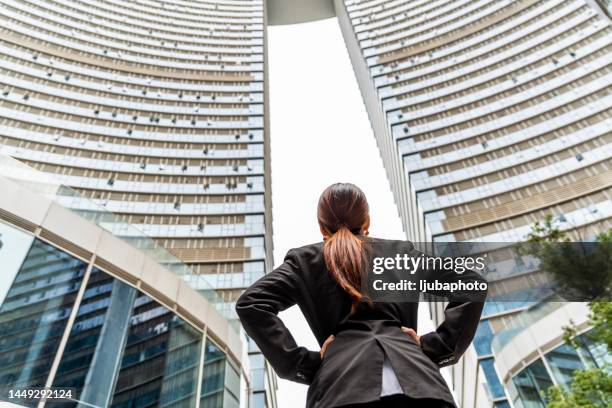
x=320, y=135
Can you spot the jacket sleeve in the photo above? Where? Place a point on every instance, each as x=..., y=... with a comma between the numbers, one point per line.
x=258, y=309
x=446, y=345
x=452, y=337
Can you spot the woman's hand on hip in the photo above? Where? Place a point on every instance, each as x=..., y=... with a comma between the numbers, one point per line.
x=326, y=345
x=410, y=332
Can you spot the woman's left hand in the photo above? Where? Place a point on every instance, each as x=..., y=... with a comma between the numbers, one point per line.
x=412, y=334
x=326, y=345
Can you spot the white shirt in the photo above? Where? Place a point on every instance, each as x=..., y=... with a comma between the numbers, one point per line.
x=390, y=384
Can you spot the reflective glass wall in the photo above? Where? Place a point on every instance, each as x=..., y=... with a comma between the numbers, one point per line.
x=34, y=314
x=528, y=388
x=67, y=324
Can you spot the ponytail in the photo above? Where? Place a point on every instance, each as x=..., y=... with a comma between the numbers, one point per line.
x=342, y=213
x=345, y=259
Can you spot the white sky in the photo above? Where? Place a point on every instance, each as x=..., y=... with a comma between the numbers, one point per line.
x=320, y=134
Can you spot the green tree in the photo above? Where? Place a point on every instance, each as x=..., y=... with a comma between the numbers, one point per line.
x=600, y=318
x=581, y=272
x=591, y=388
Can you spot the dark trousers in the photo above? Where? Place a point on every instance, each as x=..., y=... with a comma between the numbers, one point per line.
x=402, y=401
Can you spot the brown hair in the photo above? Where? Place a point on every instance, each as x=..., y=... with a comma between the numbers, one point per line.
x=341, y=212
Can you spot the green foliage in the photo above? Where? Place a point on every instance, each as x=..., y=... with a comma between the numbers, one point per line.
x=580, y=270
x=587, y=274
x=589, y=389
x=599, y=319
x=570, y=333
x=546, y=232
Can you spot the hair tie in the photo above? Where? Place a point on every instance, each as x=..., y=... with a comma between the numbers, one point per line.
x=354, y=231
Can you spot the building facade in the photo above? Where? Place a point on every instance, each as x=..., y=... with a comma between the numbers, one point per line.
x=531, y=354
x=105, y=325
x=489, y=115
x=155, y=111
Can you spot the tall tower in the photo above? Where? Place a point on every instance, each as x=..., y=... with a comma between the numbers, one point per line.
x=156, y=111
x=489, y=115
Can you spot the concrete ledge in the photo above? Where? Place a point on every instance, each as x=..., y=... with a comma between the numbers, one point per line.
x=67, y=225
x=22, y=202
x=156, y=280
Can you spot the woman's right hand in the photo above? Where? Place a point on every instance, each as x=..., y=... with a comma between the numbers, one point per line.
x=326, y=345
x=410, y=332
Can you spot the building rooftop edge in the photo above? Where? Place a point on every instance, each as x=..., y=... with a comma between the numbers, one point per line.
x=284, y=12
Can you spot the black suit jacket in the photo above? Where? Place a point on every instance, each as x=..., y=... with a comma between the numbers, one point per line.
x=350, y=371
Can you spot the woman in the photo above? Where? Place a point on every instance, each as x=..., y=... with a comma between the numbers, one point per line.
x=370, y=353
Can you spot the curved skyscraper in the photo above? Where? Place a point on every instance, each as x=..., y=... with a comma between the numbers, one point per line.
x=489, y=114
x=154, y=110
x=497, y=110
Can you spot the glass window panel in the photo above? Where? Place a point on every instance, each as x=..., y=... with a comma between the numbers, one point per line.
x=213, y=380
x=495, y=387
x=594, y=354
x=258, y=400
x=531, y=384
x=257, y=361
x=484, y=336
x=34, y=314
x=160, y=361
x=563, y=361
x=230, y=401
x=252, y=346
x=258, y=378
x=90, y=362
x=221, y=380
x=232, y=381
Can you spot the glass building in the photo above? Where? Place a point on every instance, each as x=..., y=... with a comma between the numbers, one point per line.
x=532, y=356
x=156, y=112
x=83, y=310
x=557, y=367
